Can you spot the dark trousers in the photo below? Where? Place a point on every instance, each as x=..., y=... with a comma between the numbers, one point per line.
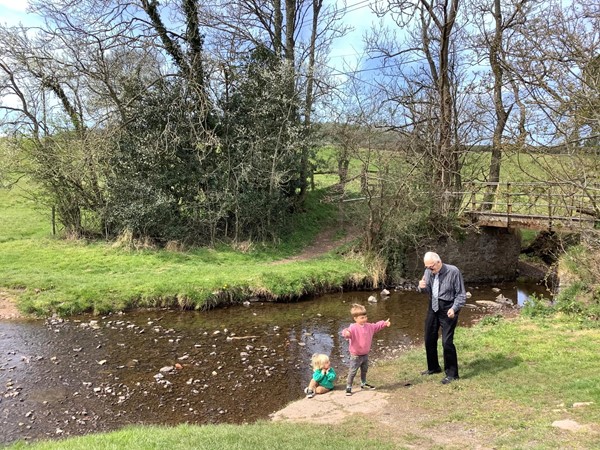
x=358, y=362
x=433, y=322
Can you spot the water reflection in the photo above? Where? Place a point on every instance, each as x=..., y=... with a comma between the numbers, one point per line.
x=230, y=365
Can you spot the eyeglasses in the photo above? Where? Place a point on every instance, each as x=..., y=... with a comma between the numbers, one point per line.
x=431, y=266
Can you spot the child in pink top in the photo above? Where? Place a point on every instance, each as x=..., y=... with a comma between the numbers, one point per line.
x=360, y=334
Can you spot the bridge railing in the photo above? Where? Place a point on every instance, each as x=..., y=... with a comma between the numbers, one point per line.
x=555, y=204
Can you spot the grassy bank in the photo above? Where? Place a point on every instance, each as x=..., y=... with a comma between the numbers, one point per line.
x=518, y=377
x=47, y=274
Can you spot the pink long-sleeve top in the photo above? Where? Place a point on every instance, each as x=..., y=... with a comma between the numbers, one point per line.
x=361, y=336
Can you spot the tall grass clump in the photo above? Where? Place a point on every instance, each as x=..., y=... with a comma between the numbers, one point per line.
x=578, y=293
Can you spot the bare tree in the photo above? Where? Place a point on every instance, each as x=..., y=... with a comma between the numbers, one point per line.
x=553, y=61
x=162, y=83
x=498, y=22
x=428, y=84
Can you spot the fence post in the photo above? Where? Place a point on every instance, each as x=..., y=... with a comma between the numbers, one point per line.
x=508, y=205
x=53, y=220
x=550, y=209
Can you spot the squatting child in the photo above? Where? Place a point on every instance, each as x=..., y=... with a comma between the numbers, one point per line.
x=323, y=376
x=360, y=335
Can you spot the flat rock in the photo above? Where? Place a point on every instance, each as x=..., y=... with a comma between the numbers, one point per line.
x=332, y=407
x=488, y=303
x=569, y=425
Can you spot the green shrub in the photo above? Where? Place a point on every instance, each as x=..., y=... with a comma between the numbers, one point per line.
x=538, y=307
x=491, y=320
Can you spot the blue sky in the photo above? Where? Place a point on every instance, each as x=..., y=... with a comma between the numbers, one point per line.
x=358, y=15
x=14, y=11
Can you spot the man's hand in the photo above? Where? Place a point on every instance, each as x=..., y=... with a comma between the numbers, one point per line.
x=422, y=284
x=451, y=313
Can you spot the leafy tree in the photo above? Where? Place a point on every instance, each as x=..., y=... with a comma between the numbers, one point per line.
x=262, y=144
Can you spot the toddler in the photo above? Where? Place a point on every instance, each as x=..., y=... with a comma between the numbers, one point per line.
x=360, y=334
x=323, y=376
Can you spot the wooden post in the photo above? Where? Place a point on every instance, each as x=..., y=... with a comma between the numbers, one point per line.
x=550, y=209
x=508, y=205
x=53, y=220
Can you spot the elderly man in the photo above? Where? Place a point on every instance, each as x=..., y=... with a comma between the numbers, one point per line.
x=446, y=288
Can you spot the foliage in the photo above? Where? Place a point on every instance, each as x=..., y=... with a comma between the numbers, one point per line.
x=121, y=134
x=579, y=294
x=491, y=320
x=536, y=306
x=162, y=169
x=262, y=145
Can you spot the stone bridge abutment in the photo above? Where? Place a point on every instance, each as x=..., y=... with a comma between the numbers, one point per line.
x=484, y=255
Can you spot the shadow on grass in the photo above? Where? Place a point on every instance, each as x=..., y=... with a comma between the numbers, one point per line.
x=395, y=386
x=491, y=364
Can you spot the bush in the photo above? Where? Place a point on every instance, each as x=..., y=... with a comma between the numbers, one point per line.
x=538, y=307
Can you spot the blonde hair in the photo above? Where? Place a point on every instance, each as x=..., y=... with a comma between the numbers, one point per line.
x=358, y=310
x=318, y=361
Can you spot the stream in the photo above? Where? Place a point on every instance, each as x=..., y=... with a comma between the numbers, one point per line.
x=237, y=364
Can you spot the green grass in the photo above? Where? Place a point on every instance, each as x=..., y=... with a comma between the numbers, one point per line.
x=21, y=217
x=517, y=378
x=69, y=278
x=256, y=436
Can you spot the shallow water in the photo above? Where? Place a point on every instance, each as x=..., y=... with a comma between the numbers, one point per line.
x=229, y=365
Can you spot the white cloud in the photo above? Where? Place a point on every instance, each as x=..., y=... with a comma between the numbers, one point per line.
x=14, y=5
x=14, y=12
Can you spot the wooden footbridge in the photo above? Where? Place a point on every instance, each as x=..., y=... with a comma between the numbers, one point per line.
x=540, y=206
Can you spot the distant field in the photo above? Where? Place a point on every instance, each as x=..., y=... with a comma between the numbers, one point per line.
x=21, y=217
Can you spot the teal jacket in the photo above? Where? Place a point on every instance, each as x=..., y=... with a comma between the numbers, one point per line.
x=324, y=380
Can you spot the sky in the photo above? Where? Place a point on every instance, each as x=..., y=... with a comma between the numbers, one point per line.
x=14, y=11
x=358, y=15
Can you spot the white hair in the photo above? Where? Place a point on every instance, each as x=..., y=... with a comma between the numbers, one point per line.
x=432, y=256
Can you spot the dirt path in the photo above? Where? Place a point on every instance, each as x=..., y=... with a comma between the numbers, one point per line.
x=325, y=241
x=8, y=307
x=395, y=410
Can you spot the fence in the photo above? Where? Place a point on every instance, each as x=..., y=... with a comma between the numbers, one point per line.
x=551, y=205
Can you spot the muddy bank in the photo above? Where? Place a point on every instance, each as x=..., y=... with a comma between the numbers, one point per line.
x=8, y=306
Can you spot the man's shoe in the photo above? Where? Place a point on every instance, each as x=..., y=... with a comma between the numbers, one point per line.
x=367, y=386
x=431, y=372
x=448, y=380
x=348, y=391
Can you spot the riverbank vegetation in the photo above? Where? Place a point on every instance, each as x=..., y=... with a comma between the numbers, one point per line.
x=177, y=146
x=520, y=378
x=48, y=274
